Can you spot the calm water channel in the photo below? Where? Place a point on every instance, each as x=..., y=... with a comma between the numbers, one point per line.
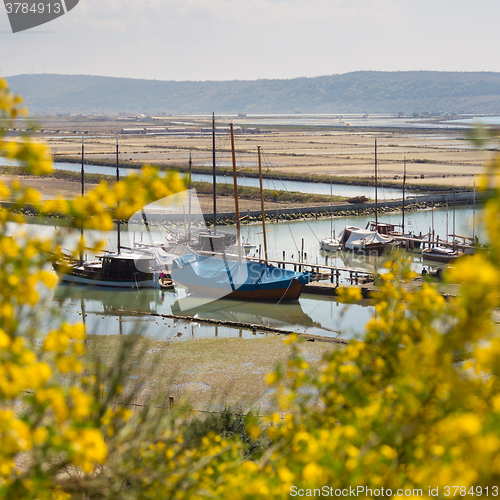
x=288, y=236
x=275, y=184
x=111, y=313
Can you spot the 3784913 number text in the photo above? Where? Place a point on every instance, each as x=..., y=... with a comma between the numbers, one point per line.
x=36, y=8
x=462, y=491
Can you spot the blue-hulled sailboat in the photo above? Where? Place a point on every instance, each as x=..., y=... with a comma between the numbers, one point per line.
x=205, y=275
x=241, y=279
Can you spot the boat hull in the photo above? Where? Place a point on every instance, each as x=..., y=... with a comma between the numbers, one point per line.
x=372, y=249
x=329, y=245
x=220, y=278
x=440, y=257
x=83, y=275
x=265, y=295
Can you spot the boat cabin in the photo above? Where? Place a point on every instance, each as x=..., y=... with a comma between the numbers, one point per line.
x=212, y=242
x=126, y=264
x=216, y=243
x=384, y=228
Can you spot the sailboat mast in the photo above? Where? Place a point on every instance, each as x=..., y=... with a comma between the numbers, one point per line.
x=189, y=191
x=262, y=208
x=404, y=187
x=83, y=155
x=432, y=216
x=447, y=231
x=331, y=210
x=214, y=176
x=118, y=180
x=238, y=232
x=376, y=189
x=474, y=214
x=83, y=193
x=454, y=209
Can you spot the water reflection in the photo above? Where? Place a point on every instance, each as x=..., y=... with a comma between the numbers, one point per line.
x=128, y=311
x=147, y=300
x=287, y=316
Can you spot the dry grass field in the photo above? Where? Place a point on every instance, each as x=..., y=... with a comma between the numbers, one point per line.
x=210, y=372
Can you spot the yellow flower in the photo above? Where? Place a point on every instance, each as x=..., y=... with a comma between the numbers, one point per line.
x=312, y=472
x=271, y=378
x=5, y=340
x=49, y=279
x=253, y=431
x=4, y=191
x=348, y=295
x=388, y=452
x=59, y=494
x=89, y=448
x=285, y=475
x=81, y=403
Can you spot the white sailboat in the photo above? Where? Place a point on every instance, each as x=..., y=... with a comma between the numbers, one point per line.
x=369, y=240
x=331, y=244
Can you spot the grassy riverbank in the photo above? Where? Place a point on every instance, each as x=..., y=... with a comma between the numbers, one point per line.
x=203, y=188
x=269, y=174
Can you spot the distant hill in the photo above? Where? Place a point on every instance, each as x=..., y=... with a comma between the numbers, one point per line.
x=357, y=92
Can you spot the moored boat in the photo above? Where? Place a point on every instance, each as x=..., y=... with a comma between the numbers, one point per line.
x=138, y=268
x=330, y=244
x=119, y=270
x=441, y=254
x=219, y=277
x=369, y=241
x=366, y=241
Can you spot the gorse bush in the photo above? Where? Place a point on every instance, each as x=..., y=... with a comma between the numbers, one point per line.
x=229, y=424
x=392, y=415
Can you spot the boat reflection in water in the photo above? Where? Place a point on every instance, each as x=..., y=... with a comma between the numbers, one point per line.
x=128, y=311
x=107, y=312
x=287, y=316
x=312, y=314
x=99, y=300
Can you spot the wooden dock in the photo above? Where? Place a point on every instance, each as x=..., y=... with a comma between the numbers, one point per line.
x=319, y=271
x=322, y=271
x=465, y=244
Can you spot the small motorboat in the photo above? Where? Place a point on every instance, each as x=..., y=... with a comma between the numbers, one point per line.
x=441, y=254
x=366, y=241
x=330, y=244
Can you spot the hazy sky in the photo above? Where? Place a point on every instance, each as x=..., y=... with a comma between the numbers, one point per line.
x=251, y=39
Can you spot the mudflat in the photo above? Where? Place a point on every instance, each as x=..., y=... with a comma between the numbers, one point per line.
x=209, y=373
